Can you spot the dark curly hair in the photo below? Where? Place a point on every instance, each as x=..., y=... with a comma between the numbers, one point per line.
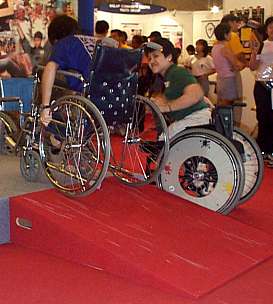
x=62, y=26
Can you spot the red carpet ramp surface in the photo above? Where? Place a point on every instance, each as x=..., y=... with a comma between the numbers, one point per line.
x=142, y=234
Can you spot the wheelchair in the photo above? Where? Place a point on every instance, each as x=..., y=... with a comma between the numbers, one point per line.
x=217, y=166
x=19, y=136
x=106, y=128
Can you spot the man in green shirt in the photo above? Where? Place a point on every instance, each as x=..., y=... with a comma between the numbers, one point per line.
x=183, y=98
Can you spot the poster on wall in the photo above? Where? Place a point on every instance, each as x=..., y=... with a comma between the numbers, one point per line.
x=207, y=30
x=174, y=33
x=31, y=16
x=132, y=29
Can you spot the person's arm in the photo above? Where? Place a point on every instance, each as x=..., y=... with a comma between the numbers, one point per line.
x=25, y=43
x=192, y=94
x=254, y=61
x=19, y=29
x=236, y=64
x=47, y=83
x=211, y=65
x=237, y=49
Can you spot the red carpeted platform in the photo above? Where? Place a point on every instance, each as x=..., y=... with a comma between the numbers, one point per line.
x=142, y=234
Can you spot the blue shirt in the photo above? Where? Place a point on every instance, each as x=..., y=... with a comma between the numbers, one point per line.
x=74, y=53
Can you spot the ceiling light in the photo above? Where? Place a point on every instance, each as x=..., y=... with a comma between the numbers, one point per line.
x=215, y=9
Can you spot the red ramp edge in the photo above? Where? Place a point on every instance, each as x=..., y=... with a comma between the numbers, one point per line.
x=142, y=234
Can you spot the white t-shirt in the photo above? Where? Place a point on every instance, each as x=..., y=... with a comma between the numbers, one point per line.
x=201, y=66
x=265, y=69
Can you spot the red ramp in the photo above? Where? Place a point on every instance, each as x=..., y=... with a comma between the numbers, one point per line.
x=142, y=234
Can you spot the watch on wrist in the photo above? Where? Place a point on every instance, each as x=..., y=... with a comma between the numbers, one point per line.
x=45, y=107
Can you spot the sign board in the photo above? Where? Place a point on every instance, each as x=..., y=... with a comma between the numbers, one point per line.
x=131, y=8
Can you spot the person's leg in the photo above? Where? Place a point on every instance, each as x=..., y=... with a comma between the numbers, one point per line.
x=263, y=109
x=197, y=118
x=226, y=91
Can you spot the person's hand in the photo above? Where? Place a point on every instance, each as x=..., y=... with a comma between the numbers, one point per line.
x=208, y=102
x=46, y=117
x=255, y=45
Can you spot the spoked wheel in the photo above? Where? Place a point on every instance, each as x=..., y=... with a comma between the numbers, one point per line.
x=204, y=168
x=75, y=147
x=30, y=166
x=139, y=154
x=253, y=164
x=8, y=132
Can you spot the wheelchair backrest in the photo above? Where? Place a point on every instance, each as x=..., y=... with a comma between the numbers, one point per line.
x=113, y=82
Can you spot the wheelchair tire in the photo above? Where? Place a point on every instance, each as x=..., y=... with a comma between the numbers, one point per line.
x=75, y=147
x=7, y=128
x=253, y=164
x=138, y=156
x=204, y=168
x=30, y=166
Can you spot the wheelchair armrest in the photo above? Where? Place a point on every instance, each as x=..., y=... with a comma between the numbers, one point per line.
x=239, y=104
x=74, y=74
x=11, y=99
x=71, y=74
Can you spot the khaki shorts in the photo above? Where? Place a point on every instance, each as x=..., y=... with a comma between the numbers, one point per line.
x=198, y=118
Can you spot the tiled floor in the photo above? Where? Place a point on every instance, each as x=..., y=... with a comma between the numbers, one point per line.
x=11, y=181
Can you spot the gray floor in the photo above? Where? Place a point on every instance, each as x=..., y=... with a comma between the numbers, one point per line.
x=11, y=181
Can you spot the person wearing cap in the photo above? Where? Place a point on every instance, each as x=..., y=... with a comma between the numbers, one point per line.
x=154, y=36
x=183, y=99
x=234, y=44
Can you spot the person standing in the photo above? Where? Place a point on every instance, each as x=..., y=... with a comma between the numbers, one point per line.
x=101, y=29
x=263, y=93
x=201, y=65
x=226, y=66
x=235, y=46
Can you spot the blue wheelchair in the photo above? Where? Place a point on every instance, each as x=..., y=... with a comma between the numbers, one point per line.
x=107, y=126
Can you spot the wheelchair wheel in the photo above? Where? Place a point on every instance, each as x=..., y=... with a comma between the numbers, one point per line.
x=204, y=168
x=8, y=129
x=140, y=153
x=30, y=166
x=253, y=164
x=75, y=146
